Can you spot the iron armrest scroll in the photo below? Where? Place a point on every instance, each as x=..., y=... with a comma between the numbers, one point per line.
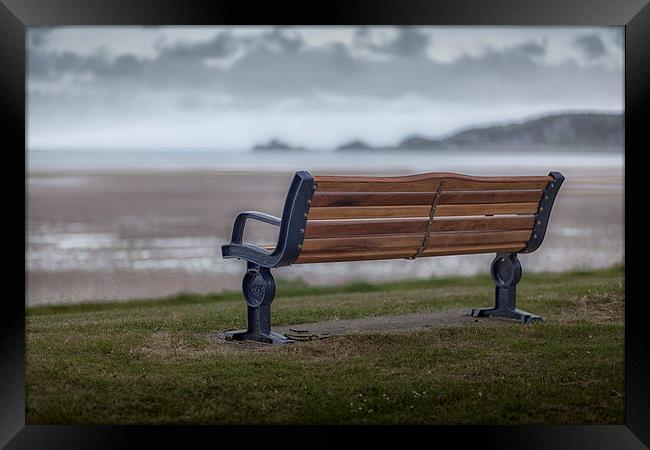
x=544, y=212
x=240, y=223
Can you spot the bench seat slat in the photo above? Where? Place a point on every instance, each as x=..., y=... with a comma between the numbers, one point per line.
x=367, y=212
x=413, y=241
x=367, y=255
x=423, y=198
x=427, y=182
x=340, y=228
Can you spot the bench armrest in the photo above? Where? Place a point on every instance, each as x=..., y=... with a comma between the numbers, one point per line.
x=292, y=228
x=240, y=223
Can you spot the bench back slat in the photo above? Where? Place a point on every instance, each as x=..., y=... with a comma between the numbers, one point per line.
x=366, y=255
x=378, y=212
x=340, y=228
x=427, y=182
x=413, y=241
x=331, y=199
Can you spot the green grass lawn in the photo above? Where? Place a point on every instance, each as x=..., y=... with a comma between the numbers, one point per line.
x=158, y=361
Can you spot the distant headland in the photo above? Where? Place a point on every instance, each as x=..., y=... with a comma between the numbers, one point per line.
x=276, y=145
x=580, y=131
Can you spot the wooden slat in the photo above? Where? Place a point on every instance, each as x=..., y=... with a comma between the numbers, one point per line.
x=507, y=184
x=341, y=228
x=335, y=228
x=367, y=212
x=345, y=184
x=483, y=223
x=447, y=239
x=504, y=196
x=413, y=241
x=466, y=249
x=366, y=255
x=486, y=209
x=324, y=198
x=427, y=182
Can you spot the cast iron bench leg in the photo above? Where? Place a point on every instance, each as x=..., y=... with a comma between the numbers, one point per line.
x=506, y=273
x=259, y=290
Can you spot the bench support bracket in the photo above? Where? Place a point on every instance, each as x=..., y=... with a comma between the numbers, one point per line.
x=506, y=273
x=259, y=290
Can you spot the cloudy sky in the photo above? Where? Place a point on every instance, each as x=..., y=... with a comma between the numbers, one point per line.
x=228, y=88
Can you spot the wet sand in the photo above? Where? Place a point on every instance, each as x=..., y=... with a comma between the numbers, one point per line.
x=96, y=236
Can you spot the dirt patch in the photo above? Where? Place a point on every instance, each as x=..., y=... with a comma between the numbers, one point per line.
x=390, y=324
x=174, y=345
x=378, y=324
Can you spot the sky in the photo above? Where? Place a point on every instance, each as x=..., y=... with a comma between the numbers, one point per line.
x=229, y=88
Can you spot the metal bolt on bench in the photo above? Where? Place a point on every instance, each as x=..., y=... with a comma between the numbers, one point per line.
x=348, y=218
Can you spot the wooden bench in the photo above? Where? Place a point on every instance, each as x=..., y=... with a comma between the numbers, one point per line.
x=352, y=218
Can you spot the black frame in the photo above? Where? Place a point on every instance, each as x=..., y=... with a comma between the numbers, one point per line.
x=16, y=15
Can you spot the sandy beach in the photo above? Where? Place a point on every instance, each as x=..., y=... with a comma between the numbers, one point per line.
x=95, y=235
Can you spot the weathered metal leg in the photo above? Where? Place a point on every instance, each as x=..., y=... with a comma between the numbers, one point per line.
x=506, y=273
x=259, y=290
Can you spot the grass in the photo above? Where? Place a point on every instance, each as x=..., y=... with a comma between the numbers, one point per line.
x=158, y=362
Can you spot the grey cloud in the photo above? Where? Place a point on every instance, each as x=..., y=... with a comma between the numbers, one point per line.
x=54, y=65
x=124, y=66
x=191, y=103
x=619, y=37
x=282, y=38
x=409, y=42
x=38, y=35
x=222, y=44
x=591, y=44
x=225, y=44
x=43, y=64
x=508, y=63
x=176, y=64
x=533, y=48
x=277, y=66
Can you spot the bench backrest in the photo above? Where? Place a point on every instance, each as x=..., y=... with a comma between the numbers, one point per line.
x=354, y=218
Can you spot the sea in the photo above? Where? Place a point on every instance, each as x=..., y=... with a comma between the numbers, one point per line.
x=490, y=160
x=106, y=225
